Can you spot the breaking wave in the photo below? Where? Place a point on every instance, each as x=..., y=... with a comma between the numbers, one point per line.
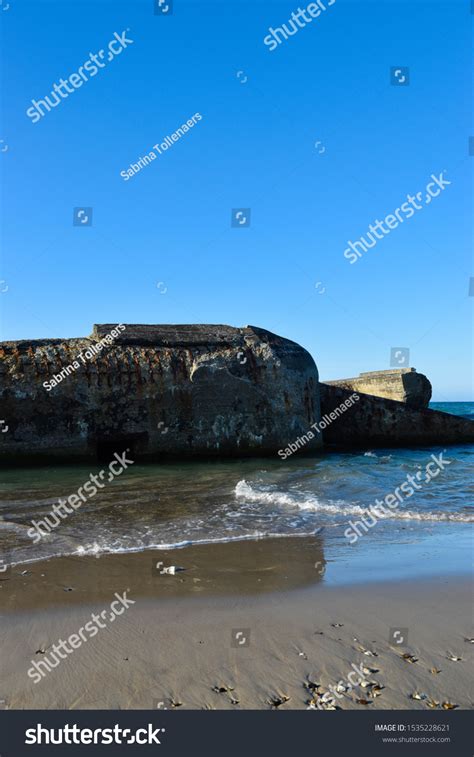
x=249, y=493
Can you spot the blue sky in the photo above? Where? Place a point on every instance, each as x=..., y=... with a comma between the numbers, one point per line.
x=254, y=148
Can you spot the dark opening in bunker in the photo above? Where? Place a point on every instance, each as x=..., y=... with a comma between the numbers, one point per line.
x=134, y=444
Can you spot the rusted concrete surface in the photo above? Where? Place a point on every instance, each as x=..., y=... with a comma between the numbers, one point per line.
x=377, y=422
x=401, y=384
x=161, y=391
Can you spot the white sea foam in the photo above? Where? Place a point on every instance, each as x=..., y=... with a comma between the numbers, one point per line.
x=247, y=492
x=96, y=550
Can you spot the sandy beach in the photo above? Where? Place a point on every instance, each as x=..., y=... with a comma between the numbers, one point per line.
x=218, y=635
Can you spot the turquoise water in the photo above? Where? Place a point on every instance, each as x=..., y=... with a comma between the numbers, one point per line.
x=165, y=506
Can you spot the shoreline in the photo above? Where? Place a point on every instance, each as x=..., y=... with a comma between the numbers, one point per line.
x=176, y=646
x=307, y=558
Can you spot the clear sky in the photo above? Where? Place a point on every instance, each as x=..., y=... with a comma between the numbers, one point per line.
x=253, y=148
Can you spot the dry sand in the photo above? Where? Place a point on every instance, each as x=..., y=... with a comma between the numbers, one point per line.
x=176, y=646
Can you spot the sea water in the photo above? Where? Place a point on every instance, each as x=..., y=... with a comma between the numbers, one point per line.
x=159, y=506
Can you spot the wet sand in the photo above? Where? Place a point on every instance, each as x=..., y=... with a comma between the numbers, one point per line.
x=249, y=625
